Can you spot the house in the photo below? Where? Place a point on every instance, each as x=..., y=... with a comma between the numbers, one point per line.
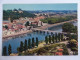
x=40, y=23
x=34, y=24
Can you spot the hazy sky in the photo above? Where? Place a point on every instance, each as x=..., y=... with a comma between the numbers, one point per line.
x=65, y=6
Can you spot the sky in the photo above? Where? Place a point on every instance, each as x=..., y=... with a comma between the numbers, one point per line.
x=58, y=6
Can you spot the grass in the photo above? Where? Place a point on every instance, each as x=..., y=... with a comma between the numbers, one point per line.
x=43, y=49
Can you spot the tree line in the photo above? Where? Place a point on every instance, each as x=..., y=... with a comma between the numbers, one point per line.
x=16, y=15
x=23, y=46
x=57, y=37
x=5, y=50
x=28, y=44
x=53, y=20
x=69, y=27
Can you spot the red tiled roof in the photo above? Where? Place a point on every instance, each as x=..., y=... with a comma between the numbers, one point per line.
x=59, y=53
x=3, y=29
x=60, y=49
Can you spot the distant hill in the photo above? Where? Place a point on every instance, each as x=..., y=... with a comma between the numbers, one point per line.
x=56, y=11
x=15, y=14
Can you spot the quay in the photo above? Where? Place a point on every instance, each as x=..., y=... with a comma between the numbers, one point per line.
x=17, y=34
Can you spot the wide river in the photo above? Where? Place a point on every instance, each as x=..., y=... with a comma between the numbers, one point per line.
x=15, y=42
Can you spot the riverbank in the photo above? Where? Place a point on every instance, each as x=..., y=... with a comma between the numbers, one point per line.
x=42, y=28
x=51, y=25
x=17, y=34
x=41, y=46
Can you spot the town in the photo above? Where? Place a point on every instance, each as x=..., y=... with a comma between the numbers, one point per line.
x=24, y=24
x=39, y=32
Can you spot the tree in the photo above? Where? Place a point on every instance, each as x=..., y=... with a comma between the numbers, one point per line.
x=56, y=37
x=4, y=51
x=19, y=9
x=29, y=43
x=46, y=40
x=75, y=29
x=21, y=46
x=62, y=35
x=59, y=36
x=72, y=36
x=18, y=49
x=53, y=20
x=72, y=43
x=69, y=36
x=27, y=23
x=25, y=45
x=53, y=38
x=49, y=38
x=6, y=26
x=36, y=41
x=32, y=42
x=14, y=14
x=68, y=27
x=9, y=49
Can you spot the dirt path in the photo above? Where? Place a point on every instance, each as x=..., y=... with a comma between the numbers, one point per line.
x=69, y=50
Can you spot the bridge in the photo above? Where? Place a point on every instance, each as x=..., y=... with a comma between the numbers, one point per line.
x=43, y=28
x=40, y=30
x=56, y=24
x=49, y=31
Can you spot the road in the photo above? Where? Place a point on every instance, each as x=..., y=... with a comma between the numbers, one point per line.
x=51, y=25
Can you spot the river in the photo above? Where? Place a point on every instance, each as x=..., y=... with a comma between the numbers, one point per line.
x=59, y=27
x=15, y=42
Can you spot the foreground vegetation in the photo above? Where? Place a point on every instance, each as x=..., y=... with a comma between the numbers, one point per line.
x=50, y=46
x=50, y=49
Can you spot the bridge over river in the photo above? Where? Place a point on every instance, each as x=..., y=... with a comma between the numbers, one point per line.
x=49, y=31
x=44, y=28
x=51, y=25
